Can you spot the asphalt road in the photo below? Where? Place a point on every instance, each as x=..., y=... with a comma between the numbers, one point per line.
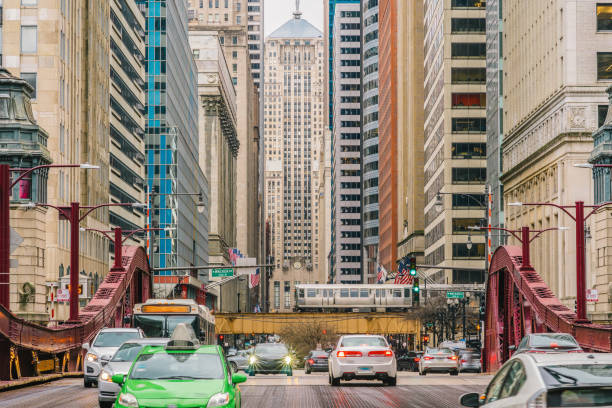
x=299, y=391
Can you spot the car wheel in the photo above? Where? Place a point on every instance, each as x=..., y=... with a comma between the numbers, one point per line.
x=392, y=381
x=335, y=382
x=289, y=372
x=307, y=370
x=251, y=373
x=87, y=384
x=454, y=372
x=105, y=404
x=424, y=372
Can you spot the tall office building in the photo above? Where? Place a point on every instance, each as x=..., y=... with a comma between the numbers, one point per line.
x=255, y=31
x=172, y=142
x=127, y=121
x=369, y=135
x=293, y=129
x=229, y=18
x=455, y=138
x=554, y=99
x=62, y=50
x=346, y=136
x=388, y=134
x=495, y=109
x=410, y=192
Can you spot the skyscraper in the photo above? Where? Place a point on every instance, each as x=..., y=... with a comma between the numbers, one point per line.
x=346, y=148
x=172, y=140
x=369, y=135
x=293, y=129
x=455, y=138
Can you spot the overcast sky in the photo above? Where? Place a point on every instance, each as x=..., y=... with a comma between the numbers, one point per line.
x=277, y=12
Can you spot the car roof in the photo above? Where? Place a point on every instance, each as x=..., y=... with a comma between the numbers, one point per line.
x=119, y=329
x=545, y=359
x=205, y=349
x=149, y=341
x=361, y=335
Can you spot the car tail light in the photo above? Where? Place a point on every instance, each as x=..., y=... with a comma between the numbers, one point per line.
x=537, y=401
x=416, y=359
x=311, y=361
x=428, y=358
x=463, y=361
x=452, y=358
x=380, y=353
x=347, y=353
x=554, y=345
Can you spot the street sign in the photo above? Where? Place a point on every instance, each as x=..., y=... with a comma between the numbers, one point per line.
x=63, y=295
x=222, y=272
x=246, y=262
x=454, y=295
x=15, y=240
x=592, y=295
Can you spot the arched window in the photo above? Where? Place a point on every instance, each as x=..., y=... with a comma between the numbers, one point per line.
x=61, y=270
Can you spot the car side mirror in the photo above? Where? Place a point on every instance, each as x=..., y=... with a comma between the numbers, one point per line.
x=238, y=378
x=85, y=346
x=470, y=400
x=119, y=378
x=512, y=347
x=104, y=360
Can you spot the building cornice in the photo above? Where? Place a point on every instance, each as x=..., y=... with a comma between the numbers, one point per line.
x=215, y=104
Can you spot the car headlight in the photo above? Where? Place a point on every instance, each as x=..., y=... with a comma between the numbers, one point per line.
x=218, y=400
x=106, y=376
x=128, y=400
x=252, y=360
x=287, y=359
x=91, y=357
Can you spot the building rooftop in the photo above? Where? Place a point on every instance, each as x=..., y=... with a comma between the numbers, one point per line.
x=296, y=28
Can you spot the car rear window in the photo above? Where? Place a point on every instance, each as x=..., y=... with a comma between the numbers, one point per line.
x=553, y=340
x=580, y=397
x=577, y=374
x=319, y=354
x=114, y=338
x=127, y=352
x=439, y=351
x=363, y=341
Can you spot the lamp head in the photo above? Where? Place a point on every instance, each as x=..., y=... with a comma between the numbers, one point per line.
x=89, y=166
x=201, y=205
x=515, y=204
x=439, y=203
x=584, y=165
x=468, y=244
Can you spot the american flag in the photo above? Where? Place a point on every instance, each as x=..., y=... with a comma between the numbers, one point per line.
x=234, y=254
x=382, y=274
x=403, y=276
x=254, y=279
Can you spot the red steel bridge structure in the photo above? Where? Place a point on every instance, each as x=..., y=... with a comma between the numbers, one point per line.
x=29, y=350
x=518, y=303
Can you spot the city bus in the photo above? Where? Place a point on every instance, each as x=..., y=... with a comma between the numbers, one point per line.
x=159, y=317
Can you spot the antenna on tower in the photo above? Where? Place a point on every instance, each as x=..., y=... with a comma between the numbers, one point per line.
x=297, y=14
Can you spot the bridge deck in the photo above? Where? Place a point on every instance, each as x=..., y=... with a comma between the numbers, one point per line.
x=341, y=323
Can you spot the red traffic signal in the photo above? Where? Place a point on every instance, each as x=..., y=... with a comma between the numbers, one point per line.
x=426, y=339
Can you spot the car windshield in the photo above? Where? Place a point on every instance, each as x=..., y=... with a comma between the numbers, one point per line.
x=553, y=340
x=439, y=351
x=162, y=326
x=127, y=352
x=114, y=338
x=556, y=375
x=271, y=348
x=319, y=354
x=363, y=341
x=181, y=366
x=580, y=397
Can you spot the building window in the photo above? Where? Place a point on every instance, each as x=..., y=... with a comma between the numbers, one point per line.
x=469, y=125
x=602, y=112
x=234, y=54
x=29, y=3
x=468, y=25
x=238, y=19
x=277, y=295
x=28, y=39
x=604, y=65
x=30, y=78
x=460, y=250
x=461, y=226
x=469, y=50
x=468, y=75
x=468, y=4
x=469, y=100
x=469, y=175
x=467, y=277
x=469, y=150
x=604, y=17
x=235, y=40
x=234, y=67
x=287, y=294
x=462, y=201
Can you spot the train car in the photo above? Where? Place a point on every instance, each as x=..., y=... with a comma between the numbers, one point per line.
x=159, y=317
x=352, y=297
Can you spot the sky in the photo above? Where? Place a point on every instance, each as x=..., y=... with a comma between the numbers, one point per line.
x=277, y=12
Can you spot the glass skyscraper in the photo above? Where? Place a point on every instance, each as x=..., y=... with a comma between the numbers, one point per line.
x=172, y=140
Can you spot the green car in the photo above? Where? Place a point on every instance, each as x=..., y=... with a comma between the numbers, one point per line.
x=181, y=374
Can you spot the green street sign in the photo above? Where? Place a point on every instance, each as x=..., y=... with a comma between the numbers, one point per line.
x=454, y=295
x=222, y=272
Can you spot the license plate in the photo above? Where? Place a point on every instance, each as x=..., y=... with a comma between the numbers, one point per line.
x=365, y=368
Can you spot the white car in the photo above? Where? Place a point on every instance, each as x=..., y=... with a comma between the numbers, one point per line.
x=549, y=380
x=104, y=345
x=362, y=357
x=441, y=360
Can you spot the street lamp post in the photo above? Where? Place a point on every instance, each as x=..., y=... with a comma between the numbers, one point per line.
x=579, y=218
x=73, y=215
x=5, y=201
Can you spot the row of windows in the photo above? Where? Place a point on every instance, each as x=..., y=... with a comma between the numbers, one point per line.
x=468, y=25
x=469, y=150
x=469, y=175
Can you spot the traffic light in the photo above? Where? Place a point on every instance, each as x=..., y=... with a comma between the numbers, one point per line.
x=482, y=309
x=415, y=290
x=413, y=267
x=425, y=339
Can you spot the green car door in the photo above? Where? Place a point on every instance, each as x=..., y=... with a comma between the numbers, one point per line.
x=161, y=377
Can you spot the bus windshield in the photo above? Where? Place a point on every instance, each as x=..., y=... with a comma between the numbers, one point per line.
x=163, y=325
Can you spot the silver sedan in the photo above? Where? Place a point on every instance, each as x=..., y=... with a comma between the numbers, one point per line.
x=442, y=360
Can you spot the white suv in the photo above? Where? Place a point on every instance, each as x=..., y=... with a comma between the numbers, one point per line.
x=104, y=345
x=362, y=357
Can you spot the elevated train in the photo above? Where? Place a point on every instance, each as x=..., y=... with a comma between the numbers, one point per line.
x=352, y=298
